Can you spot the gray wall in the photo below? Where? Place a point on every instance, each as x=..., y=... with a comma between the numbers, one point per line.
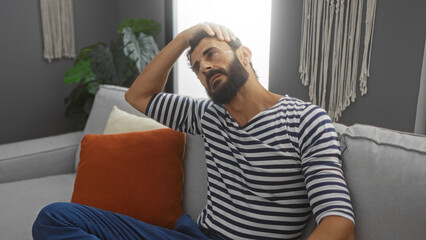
x=397, y=54
x=32, y=91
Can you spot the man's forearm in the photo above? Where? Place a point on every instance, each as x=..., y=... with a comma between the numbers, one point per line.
x=153, y=78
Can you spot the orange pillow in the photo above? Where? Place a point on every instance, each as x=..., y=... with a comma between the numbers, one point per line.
x=139, y=174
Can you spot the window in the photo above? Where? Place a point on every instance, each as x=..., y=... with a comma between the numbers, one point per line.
x=250, y=20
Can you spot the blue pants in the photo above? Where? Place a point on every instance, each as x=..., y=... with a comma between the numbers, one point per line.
x=75, y=221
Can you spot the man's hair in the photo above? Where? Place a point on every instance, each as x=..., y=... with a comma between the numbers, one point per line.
x=193, y=43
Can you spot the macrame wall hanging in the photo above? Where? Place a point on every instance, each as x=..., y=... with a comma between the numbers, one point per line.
x=330, y=51
x=58, y=28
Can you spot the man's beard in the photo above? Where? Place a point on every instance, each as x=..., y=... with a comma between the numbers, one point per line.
x=237, y=77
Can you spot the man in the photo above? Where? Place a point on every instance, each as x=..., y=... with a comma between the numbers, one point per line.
x=271, y=159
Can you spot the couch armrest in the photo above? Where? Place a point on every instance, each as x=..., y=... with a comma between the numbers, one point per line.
x=39, y=157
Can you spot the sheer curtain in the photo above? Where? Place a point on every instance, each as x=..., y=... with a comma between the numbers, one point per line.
x=420, y=125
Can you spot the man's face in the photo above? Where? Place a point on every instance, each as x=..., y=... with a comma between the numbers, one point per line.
x=219, y=70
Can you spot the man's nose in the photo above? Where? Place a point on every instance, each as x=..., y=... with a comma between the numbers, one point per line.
x=205, y=67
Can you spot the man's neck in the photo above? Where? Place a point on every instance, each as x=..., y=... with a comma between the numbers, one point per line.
x=252, y=99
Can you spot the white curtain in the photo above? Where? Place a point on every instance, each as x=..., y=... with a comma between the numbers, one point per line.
x=330, y=53
x=58, y=28
x=420, y=125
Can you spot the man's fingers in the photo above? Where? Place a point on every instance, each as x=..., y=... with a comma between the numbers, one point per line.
x=225, y=33
x=218, y=31
x=221, y=32
x=208, y=29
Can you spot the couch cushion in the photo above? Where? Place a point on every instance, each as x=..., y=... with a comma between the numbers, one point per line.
x=120, y=121
x=139, y=174
x=21, y=202
x=385, y=171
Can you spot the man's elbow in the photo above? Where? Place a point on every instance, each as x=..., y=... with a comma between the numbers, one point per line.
x=351, y=236
x=128, y=97
x=348, y=232
x=132, y=98
x=343, y=228
x=138, y=102
x=334, y=227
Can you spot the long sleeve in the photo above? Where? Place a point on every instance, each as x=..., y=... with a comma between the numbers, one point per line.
x=322, y=166
x=178, y=112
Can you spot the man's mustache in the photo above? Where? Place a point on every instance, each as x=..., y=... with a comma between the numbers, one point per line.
x=213, y=72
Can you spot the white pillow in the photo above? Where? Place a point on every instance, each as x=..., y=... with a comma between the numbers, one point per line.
x=120, y=121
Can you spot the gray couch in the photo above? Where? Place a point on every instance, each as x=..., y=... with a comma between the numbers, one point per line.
x=385, y=171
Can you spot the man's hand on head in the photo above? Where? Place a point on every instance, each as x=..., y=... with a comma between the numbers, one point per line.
x=221, y=32
x=153, y=78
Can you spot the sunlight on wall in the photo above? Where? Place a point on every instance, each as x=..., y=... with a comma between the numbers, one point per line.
x=250, y=20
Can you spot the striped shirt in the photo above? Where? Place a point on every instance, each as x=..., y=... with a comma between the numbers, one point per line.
x=264, y=178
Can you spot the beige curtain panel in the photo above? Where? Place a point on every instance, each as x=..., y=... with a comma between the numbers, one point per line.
x=331, y=51
x=58, y=29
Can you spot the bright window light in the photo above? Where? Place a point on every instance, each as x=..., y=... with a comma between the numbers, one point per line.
x=250, y=20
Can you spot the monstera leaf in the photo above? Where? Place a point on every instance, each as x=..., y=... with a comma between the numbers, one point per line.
x=141, y=49
x=149, y=48
x=112, y=66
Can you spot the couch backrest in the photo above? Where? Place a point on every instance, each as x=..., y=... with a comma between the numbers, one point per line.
x=386, y=175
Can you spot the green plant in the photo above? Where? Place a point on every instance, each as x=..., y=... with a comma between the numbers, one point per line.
x=118, y=63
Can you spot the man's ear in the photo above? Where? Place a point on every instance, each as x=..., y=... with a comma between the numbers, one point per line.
x=246, y=55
